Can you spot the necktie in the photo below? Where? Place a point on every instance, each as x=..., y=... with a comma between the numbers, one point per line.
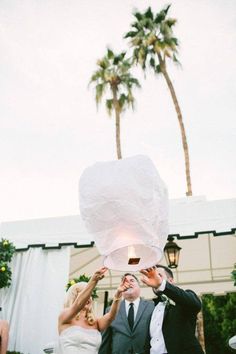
x=131, y=315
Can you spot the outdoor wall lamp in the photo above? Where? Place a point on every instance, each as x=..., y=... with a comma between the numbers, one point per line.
x=171, y=251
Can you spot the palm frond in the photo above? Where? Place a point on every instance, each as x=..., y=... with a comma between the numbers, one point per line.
x=142, y=54
x=125, y=63
x=149, y=24
x=165, y=30
x=136, y=41
x=116, y=60
x=148, y=13
x=134, y=82
x=122, y=55
x=109, y=106
x=135, y=55
x=138, y=15
x=167, y=53
x=171, y=21
x=166, y=9
x=137, y=25
x=119, y=58
x=160, y=16
x=175, y=60
x=130, y=99
x=151, y=38
x=103, y=63
x=175, y=41
x=158, y=69
x=110, y=53
x=95, y=77
x=130, y=34
x=100, y=88
x=129, y=82
x=152, y=62
x=158, y=46
x=122, y=100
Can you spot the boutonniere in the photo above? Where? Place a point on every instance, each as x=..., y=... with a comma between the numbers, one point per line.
x=164, y=298
x=171, y=302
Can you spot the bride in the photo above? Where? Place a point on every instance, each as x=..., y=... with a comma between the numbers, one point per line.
x=79, y=330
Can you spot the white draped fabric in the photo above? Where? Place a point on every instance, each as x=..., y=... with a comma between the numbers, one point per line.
x=32, y=303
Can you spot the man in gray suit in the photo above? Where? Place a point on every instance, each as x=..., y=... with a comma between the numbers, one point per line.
x=129, y=332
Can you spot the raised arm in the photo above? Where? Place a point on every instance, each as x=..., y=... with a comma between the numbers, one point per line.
x=185, y=298
x=69, y=313
x=106, y=320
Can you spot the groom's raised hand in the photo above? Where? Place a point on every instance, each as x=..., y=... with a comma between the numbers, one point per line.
x=151, y=277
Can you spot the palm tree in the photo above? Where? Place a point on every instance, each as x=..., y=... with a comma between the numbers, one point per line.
x=113, y=76
x=154, y=43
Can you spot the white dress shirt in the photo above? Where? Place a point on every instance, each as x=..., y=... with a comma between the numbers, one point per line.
x=157, y=340
x=136, y=305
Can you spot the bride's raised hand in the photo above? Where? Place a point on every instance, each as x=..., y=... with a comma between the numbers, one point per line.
x=99, y=274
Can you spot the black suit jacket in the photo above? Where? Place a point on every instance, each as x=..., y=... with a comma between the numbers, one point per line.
x=179, y=321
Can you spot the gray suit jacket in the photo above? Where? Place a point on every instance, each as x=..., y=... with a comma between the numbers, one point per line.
x=120, y=339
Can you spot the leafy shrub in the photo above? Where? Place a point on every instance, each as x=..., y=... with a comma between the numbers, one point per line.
x=6, y=253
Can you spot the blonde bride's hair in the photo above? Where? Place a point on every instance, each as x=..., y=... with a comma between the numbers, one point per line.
x=72, y=294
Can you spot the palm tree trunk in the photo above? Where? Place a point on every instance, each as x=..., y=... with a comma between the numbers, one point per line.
x=182, y=128
x=117, y=114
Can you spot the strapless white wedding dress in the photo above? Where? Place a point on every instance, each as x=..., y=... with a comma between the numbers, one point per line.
x=79, y=340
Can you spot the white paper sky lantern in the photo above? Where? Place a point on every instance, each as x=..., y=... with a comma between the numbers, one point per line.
x=124, y=205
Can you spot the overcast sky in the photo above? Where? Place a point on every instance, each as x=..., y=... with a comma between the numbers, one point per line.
x=50, y=129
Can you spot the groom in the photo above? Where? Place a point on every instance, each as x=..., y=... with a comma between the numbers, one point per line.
x=129, y=332
x=173, y=321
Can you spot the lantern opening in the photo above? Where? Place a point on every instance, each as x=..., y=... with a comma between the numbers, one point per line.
x=133, y=260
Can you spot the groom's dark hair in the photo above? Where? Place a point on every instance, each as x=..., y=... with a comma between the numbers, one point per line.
x=169, y=272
